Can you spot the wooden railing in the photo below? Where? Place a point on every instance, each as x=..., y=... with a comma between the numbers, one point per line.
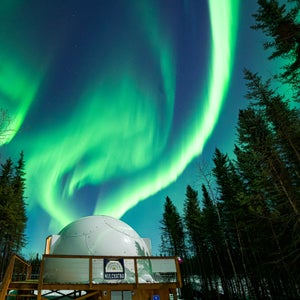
x=81, y=269
x=17, y=270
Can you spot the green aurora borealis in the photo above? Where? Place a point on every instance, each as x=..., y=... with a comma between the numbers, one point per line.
x=114, y=120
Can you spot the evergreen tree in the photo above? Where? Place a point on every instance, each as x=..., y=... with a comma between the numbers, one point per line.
x=282, y=26
x=210, y=221
x=228, y=193
x=195, y=231
x=283, y=120
x=214, y=240
x=12, y=210
x=6, y=212
x=233, y=217
x=173, y=241
x=192, y=219
x=18, y=184
x=172, y=231
x=255, y=155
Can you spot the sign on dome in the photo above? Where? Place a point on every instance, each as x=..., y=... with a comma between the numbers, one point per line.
x=114, y=269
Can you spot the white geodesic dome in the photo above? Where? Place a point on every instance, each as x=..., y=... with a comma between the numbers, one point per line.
x=99, y=235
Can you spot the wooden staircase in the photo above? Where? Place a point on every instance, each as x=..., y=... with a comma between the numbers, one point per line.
x=17, y=279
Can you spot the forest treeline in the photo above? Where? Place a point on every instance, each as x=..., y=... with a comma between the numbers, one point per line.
x=240, y=236
x=12, y=210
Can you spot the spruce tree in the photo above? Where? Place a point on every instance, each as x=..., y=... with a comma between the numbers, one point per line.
x=12, y=210
x=195, y=232
x=7, y=213
x=173, y=241
x=172, y=231
x=18, y=184
x=281, y=26
x=283, y=119
x=232, y=215
x=214, y=240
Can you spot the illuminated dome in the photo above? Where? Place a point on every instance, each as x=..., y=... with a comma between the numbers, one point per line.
x=99, y=235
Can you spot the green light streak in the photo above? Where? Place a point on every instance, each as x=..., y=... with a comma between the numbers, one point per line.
x=17, y=91
x=20, y=73
x=224, y=20
x=127, y=116
x=117, y=124
x=161, y=45
x=110, y=136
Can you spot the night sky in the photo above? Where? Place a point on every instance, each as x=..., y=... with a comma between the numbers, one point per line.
x=115, y=103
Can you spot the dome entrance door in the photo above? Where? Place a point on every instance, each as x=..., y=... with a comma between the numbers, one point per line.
x=121, y=295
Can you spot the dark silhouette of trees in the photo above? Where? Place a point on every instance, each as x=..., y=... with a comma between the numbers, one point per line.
x=173, y=241
x=172, y=231
x=12, y=210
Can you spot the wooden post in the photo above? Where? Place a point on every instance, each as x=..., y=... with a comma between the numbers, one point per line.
x=7, y=278
x=41, y=278
x=90, y=271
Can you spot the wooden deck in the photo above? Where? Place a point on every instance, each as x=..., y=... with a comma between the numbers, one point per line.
x=56, y=285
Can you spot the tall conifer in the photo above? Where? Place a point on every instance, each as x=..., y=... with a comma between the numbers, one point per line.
x=12, y=210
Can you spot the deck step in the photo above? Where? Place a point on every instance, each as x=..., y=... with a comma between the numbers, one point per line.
x=22, y=295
